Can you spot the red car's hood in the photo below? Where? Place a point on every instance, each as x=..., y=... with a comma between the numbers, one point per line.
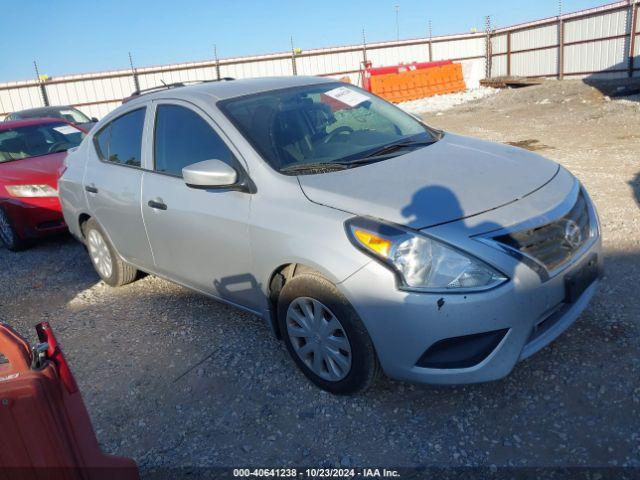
x=43, y=170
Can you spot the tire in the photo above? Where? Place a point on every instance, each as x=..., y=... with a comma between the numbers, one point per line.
x=8, y=235
x=107, y=263
x=313, y=289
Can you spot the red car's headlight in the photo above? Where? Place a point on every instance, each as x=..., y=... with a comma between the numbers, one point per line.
x=31, y=191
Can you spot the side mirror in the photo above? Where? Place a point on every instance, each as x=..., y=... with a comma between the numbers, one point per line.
x=209, y=174
x=94, y=119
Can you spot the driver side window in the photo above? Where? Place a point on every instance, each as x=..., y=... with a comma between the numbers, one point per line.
x=182, y=137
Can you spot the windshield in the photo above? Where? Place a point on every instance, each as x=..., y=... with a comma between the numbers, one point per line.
x=37, y=140
x=69, y=114
x=331, y=123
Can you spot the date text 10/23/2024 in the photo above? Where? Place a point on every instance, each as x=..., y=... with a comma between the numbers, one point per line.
x=316, y=473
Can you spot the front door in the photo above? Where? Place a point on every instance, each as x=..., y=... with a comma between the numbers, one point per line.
x=198, y=237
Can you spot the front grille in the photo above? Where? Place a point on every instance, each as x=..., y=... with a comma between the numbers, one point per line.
x=555, y=243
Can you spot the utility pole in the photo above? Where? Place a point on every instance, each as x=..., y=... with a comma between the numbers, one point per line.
x=397, y=22
x=43, y=90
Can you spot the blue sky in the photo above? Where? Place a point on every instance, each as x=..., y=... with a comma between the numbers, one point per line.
x=76, y=36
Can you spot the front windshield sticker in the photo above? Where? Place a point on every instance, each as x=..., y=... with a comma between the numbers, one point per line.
x=347, y=96
x=65, y=129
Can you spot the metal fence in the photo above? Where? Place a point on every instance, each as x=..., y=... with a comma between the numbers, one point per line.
x=601, y=41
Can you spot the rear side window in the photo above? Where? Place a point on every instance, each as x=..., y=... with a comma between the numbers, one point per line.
x=182, y=137
x=121, y=140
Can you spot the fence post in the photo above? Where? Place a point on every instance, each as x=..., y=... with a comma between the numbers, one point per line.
x=294, y=66
x=364, y=49
x=215, y=55
x=560, y=42
x=430, y=47
x=488, y=47
x=136, y=84
x=43, y=89
x=633, y=15
x=509, y=53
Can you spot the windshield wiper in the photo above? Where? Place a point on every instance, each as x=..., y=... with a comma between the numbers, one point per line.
x=389, y=149
x=344, y=164
x=314, y=167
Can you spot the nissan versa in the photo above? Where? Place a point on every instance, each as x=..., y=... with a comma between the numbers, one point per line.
x=364, y=237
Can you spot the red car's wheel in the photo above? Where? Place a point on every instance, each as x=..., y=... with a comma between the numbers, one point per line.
x=8, y=234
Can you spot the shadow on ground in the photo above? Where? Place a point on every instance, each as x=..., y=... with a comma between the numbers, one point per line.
x=615, y=88
x=635, y=186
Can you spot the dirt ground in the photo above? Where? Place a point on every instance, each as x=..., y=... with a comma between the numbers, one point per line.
x=176, y=380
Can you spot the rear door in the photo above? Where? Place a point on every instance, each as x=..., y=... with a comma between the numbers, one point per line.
x=112, y=183
x=198, y=237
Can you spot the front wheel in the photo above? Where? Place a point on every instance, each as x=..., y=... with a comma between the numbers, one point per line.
x=325, y=336
x=8, y=235
x=110, y=267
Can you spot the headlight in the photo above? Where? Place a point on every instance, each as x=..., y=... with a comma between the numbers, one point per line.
x=31, y=191
x=421, y=262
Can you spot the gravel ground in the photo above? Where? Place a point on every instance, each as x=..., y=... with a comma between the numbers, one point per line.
x=440, y=103
x=174, y=379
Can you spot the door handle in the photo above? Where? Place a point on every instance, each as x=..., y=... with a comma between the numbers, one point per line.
x=91, y=189
x=157, y=205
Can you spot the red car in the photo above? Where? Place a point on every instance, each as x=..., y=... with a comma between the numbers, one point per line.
x=32, y=153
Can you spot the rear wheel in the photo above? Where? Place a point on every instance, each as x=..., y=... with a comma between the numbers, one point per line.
x=110, y=267
x=8, y=234
x=325, y=336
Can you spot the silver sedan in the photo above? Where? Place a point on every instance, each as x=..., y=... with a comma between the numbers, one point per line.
x=366, y=239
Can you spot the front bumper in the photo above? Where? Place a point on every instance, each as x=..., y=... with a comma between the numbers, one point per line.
x=34, y=217
x=403, y=325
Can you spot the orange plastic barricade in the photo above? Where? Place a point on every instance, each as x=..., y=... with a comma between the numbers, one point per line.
x=45, y=429
x=412, y=84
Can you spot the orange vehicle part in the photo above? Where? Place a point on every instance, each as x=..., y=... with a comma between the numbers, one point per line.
x=45, y=428
x=419, y=83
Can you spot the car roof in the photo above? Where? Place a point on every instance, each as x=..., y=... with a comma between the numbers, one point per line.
x=225, y=89
x=54, y=108
x=8, y=125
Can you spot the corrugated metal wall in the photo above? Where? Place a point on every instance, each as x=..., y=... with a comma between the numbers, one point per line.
x=611, y=50
x=596, y=42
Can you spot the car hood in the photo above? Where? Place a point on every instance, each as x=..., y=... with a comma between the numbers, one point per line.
x=45, y=169
x=86, y=126
x=454, y=178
